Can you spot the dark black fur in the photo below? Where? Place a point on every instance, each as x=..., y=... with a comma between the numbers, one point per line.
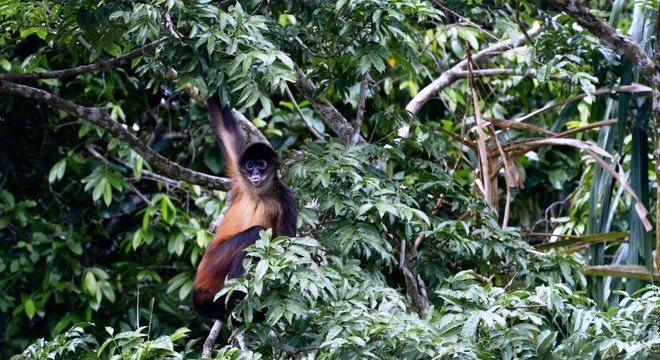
x=228, y=259
x=286, y=224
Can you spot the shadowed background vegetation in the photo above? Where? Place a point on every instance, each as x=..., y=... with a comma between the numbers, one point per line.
x=475, y=179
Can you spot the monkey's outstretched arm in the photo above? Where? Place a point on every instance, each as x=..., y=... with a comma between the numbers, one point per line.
x=228, y=135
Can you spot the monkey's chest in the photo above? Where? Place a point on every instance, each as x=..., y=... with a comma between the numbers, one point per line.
x=245, y=213
x=251, y=213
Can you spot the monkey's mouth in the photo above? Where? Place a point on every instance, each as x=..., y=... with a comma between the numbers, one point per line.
x=256, y=179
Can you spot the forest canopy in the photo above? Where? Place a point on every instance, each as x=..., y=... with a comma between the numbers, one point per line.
x=474, y=179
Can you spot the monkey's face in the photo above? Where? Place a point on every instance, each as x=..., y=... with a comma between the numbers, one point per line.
x=259, y=164
x=257, y=171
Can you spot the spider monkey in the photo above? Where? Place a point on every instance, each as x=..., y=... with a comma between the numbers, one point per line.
x=260, y=201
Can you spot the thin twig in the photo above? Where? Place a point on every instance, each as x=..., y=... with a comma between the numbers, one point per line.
x=510, y=124
x=632, y=88
x=594, y=125
x=95, y=153
x=307, y=123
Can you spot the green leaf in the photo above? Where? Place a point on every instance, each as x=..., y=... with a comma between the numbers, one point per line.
x=137, y=167
x=201, y=238
x=545, y=343
x=30, y=308
x=185, y=290
x=89, y=283
x=107, y=194
x=57, y=171
x=260, y=270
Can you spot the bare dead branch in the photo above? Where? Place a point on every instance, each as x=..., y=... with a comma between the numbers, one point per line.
x=510, y=175
x=481, y=140
x=101, y=118
x=99, y=65
x=510, y=124
x=580, y=129
x=452, y=74
x=597, y=153
x=458, y=138
x=624, y=271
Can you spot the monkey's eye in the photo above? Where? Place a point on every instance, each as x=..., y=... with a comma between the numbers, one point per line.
x=261, y=164
x=249, y=165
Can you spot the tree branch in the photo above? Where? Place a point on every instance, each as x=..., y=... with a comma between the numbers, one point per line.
x=415, y=287
x=624, y=271
x=308, y=124
x=101, y=118
x=360, y=111
x=207, y=349
x=455, y=72
x=102, y=64
x=170, y=26
x=510, y=124
x=328, y=112
x=620, y=44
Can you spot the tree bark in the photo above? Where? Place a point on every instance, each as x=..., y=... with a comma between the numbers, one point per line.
x=458, y=71
x=328, y=112
x=101, y=118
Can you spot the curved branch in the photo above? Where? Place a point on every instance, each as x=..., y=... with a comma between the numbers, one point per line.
x=102, y=64
x=101, y=118
x=597, y=153
x=457, y=71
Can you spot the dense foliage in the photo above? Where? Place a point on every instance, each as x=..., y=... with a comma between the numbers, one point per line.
x=401, y=251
